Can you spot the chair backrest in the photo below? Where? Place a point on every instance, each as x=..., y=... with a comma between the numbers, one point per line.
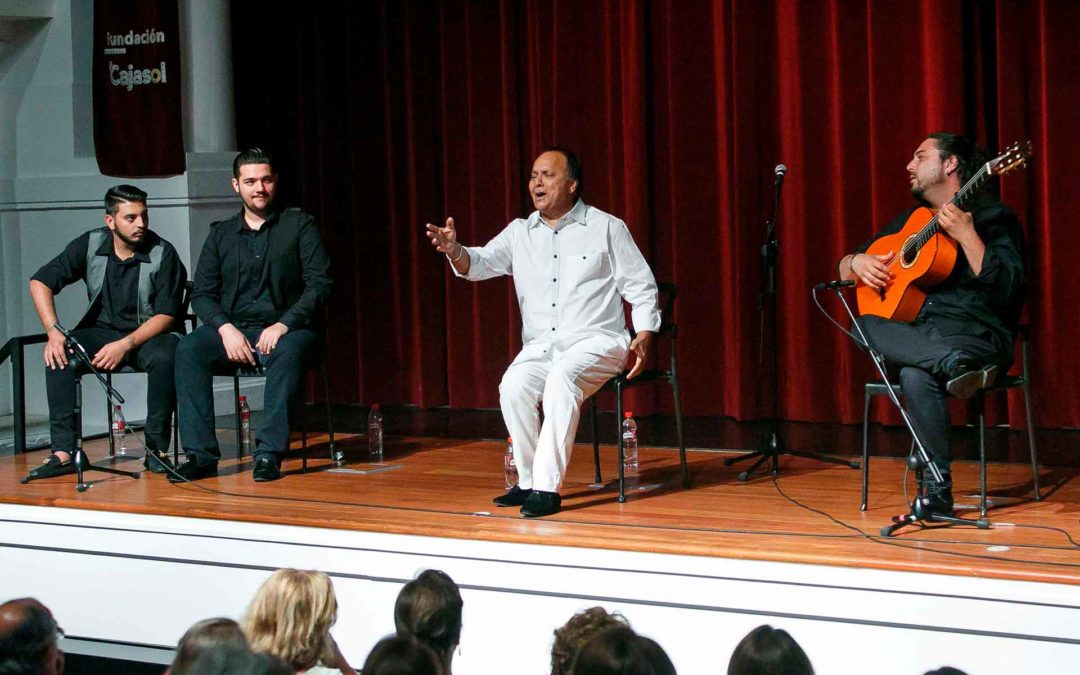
x=666, y=297
x=189, y=315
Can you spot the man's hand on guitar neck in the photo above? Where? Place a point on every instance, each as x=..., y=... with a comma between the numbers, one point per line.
x=872, y=270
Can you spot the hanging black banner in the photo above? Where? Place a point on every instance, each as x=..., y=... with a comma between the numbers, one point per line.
x=137, y=113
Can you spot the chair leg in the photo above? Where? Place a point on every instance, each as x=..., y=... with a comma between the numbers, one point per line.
x=1028, y=407
x=329, y=412
x=618, y=434
x=108, y=417
x=679, y=431
x=595, y=442
x=236, y=409
x=980, y=405
x=176, y=437
x=865, y=447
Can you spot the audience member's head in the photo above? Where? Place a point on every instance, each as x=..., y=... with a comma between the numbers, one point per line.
x=231, y=659
x=403, y=655
x=291, y=616
x=578, y=630
x=769, y=651
x=620, y=651
x=428, y=608
x=946, y=670
x=28, y=639
x=202, y=636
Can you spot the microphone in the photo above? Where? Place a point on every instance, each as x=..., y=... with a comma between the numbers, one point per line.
x=844, y=283
x=780, y=171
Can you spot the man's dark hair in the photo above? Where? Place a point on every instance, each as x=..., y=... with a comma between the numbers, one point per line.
x=571, y=637
x=227, y=659
x=251, y=156
x=429, y=609
x=202, y=636
x=769, y=651
x=573, y=168
x=620, y=651
x=402, y=655
x=970, y=157
x=27, y=631
x=122, y=193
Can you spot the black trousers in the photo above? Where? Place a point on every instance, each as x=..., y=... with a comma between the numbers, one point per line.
x=201, y=354
x=154, y=357
x=922, y=357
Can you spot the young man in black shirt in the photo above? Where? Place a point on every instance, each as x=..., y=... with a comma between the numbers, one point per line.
x=963, y=334
x=135, y=284
x=260, y=285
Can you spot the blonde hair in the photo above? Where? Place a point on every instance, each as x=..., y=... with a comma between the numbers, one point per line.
x=291, y=616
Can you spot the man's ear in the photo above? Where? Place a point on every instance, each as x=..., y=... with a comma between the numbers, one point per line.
x=236, y=186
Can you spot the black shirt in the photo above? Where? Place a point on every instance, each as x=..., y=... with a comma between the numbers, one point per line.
x=116, y=307
x=987, y=305
x=254, y=306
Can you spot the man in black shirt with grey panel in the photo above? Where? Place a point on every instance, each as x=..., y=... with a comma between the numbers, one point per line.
x=963, y=335
x=135, y=284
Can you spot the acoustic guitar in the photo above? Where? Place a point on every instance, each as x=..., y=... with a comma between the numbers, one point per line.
x=925, y=255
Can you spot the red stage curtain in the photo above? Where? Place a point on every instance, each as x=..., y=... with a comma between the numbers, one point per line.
x=387, y=115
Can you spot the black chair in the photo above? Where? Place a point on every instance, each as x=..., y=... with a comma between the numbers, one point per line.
x=667, y=333
x=1021, y=381
x=247, y=371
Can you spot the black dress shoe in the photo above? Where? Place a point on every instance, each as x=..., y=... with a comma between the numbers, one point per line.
x=192, y=470
x=52, y=466
x=968, y=384
x=541, y=504
x=939, y=499
x=266, y=469
x=157, y=462
x=515, y=497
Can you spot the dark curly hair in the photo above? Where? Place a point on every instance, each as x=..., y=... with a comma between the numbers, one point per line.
x=576, y=632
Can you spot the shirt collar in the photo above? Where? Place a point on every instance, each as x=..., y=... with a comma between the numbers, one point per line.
x=574, y=215
x=106, y=248
x=242, y=225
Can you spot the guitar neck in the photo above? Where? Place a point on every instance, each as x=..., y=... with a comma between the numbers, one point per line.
x=964, y=195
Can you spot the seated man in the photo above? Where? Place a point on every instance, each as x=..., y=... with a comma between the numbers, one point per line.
x=573, y=265
x=964, y=331
x=262, y=279
x=135, y=283
x=28, y=639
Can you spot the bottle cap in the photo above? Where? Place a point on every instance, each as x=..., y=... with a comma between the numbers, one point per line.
x=243, y=398
x=509, y=440
x=628, y=414
x=374, y=406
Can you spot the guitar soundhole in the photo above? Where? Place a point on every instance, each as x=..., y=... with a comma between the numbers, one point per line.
x=909, y=252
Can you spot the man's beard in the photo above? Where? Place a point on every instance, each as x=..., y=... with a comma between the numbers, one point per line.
x=133, y=243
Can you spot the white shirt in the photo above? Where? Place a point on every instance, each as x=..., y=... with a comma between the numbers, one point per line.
x=571, y=279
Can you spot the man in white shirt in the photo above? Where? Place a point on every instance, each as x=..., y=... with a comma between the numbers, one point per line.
x=573, y=265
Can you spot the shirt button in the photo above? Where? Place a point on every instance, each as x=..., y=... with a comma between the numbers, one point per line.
x=583, y=257
x=556, y=255
x=553, y=304
x=554, y=279
x=553, y=328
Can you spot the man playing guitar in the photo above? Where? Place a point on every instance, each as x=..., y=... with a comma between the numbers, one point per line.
x=962, y=335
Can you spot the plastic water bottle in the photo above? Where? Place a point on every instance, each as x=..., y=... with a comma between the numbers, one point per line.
x=245, y=426
x=119, y=432
x=629, y=441
x=510, y=473
x=375, y=433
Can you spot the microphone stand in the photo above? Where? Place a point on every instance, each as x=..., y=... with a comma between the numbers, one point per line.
x=919, y=461
x=772, y=446
x=78, y=456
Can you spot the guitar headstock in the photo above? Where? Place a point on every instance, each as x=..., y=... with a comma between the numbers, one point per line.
x=1015, y=156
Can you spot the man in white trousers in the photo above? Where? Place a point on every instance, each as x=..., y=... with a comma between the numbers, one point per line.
x=573, y=265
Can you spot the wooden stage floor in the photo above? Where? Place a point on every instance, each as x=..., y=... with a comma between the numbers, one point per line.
x=443, y=488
